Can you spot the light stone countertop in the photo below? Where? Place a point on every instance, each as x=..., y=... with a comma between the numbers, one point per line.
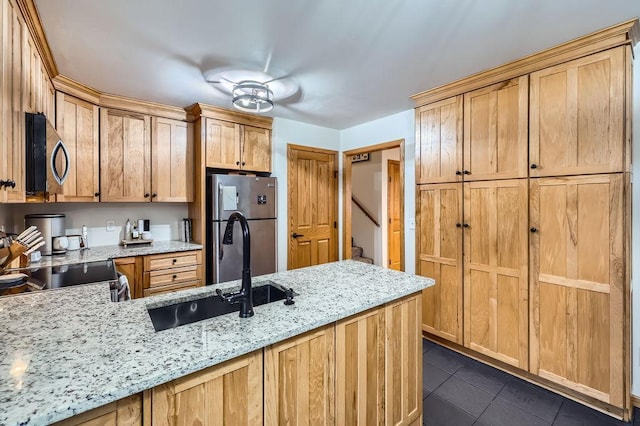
x=111, y=252
x=66, y=351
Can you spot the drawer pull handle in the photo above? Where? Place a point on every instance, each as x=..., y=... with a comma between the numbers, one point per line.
x=175, y=276
x=175, y=260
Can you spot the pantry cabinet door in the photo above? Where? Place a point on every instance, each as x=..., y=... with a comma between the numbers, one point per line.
x=439, y=233
x=439, y=141
x=496, y=239
x=496, y=124
x=125, y=156
x=171, y=160
x=77, y=125
x=577, y=284
x=577, y=116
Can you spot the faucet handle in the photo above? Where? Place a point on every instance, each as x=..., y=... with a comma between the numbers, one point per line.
x=288, y=293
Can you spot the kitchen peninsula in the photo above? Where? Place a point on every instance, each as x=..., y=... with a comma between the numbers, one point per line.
x=68, y=351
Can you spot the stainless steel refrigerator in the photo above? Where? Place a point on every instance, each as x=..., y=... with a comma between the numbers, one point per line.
x=255, y=197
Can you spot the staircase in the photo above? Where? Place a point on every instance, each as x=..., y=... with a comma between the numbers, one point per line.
x=356, y=254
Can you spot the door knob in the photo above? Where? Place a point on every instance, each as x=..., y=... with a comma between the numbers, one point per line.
x=467, y=172
x=534, y=166
x=458, y=172
x=534, y=230
x=458, y=225
x=466, y=225
x=295, y=235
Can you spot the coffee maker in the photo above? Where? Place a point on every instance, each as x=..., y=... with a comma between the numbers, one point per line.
x=51, y=225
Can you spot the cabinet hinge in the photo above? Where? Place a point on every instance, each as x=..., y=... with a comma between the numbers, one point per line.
x=389, y=261
x=389, y=179
x=335, y=224
x=335, y=174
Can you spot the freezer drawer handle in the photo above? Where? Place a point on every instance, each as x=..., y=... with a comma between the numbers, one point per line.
x=294, y=235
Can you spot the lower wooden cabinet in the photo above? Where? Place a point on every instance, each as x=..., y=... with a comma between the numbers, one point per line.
x=131, y=267
x=403, y=361
x=299, y=379
x=124, y=412
x=226, y=394
x=360, y=350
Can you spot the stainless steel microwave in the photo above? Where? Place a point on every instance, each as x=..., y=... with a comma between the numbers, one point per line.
x=47, y=157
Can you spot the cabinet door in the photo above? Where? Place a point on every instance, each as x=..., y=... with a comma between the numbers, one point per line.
x=577, y=284
x=256, y=149
x=439, y=141
x=222, y=144
x=14, y=76
x=360, y=366
x=299, y=379
x=229, y=393
x=124, y=156
x=496, y=131
x=124, y=412
x=403, y=371
x=77, y=125
x=496, y=318
x=578, y=116
x=439, y=231
x=171, y=160
x=132, y=268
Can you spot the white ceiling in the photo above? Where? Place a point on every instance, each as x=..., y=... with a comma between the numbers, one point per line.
x=354, y=60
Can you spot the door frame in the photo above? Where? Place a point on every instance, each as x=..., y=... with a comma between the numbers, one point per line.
x=334, y=232
x=346, y=194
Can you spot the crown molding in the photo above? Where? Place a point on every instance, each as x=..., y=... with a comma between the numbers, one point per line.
x=626, y=33
x=111, y=101
x=32, y=18
x=195, y=111
x=75, y=88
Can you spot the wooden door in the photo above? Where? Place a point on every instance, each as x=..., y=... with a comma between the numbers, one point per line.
x=256, y=149
x=299, y=380
x=123, y=412
x=131, y=267
x=313, y=200
x=394, y=225
x=125, y=154
x=14, y=95
x=577, y=116
x=496, y=282
x=403, y=361
x=578, y=284
x=77, y=125
x=171, y=160
x=225, y=394
x=496, y=124
x=222, y=144
x=360, y=368
x=439, y=233
x=439, y=141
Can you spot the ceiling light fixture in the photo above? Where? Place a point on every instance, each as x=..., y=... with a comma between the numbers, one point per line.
x=252, y=96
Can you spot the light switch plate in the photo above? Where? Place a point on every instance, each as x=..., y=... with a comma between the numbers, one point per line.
x=412, y=223
x=111, y=225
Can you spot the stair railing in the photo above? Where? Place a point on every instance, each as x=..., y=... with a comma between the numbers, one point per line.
x=365, y=211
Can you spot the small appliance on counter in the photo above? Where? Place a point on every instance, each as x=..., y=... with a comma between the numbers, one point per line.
x=52, y=226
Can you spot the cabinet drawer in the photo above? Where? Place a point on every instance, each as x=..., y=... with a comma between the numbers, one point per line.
x=170, y=260
x=171, y=287
x=173, y=275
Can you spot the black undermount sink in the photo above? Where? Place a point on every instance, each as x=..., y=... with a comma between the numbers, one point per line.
x=171, y=316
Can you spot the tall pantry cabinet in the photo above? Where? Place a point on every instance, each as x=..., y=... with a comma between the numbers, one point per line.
x=522, y=213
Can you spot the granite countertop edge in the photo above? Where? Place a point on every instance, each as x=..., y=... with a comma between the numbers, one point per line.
x=327, y=293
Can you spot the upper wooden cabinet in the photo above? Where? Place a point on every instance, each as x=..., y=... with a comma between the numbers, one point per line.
x=579, y=283
x=125, y=153
x=77, y=123
x=577, y=116
x=237, y=146
x=171, y=160
x=439, y=141
x=141, y=164
x=495, y=131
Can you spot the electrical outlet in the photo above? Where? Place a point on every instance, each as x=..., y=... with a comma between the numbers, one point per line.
x=111, y=225
x=412, y=223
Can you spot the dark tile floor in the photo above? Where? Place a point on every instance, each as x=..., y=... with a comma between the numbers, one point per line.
x=460, y=391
